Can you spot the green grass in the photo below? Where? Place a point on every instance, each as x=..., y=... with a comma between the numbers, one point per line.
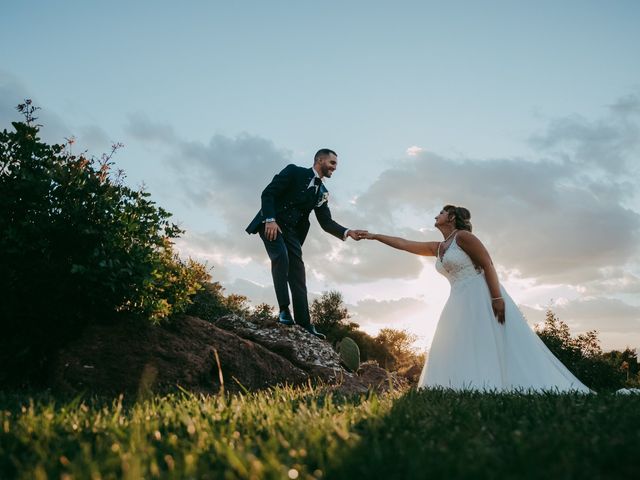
x=303, y=433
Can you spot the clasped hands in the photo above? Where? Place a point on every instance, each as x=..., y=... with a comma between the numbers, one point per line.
x=358, y=235
x=271, y=230
x=361, y=235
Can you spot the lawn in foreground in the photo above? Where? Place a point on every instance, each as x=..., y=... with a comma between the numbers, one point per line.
x=305, y=433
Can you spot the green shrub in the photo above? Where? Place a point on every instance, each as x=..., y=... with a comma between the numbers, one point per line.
x=76, y=246
x=392, y=349
x=582, y=355
x=397, y=351
x=626, y=362
x=210, y=303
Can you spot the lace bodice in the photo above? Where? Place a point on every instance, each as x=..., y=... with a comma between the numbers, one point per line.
x=456, y=265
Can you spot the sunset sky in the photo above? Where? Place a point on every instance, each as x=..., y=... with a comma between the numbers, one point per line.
x=527, y=113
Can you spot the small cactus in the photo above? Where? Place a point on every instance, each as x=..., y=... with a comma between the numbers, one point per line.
x=349, y=354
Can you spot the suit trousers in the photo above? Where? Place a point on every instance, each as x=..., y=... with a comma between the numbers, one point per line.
x=287, y=270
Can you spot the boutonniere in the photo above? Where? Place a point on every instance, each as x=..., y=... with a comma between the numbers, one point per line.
x=323, y=199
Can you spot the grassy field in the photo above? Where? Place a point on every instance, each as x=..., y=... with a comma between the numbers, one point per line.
x=303, y=433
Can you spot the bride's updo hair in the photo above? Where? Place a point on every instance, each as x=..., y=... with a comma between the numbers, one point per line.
x=462, y=216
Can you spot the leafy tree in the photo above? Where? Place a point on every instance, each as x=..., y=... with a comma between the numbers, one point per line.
x=77, y=246
x=329, y=310
x=263, y=313
x=331, y=316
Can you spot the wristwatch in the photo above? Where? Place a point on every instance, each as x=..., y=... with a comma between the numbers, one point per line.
x=269, y=220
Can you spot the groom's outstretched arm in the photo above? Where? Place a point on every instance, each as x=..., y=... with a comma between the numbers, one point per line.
x=328, y=224
x=279, y=184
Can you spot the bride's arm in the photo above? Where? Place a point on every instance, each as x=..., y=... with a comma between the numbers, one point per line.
x=480, y=256
x=428, y=249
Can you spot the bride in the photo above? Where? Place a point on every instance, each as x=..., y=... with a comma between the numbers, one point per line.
x=482, y=341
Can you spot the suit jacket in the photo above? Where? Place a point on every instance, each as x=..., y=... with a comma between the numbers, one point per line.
x=289, y=200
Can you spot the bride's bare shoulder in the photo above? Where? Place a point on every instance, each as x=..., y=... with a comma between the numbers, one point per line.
x=464, y=237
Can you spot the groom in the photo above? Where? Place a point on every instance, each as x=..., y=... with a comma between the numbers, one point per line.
x=283, y=223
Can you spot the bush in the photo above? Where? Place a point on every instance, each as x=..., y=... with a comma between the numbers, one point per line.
x=392, y=349
x=582, y=355
x=77, y=246
x=397, y=349
x=210, y=303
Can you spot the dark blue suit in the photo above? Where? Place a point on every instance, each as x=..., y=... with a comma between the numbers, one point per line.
x=289, y=200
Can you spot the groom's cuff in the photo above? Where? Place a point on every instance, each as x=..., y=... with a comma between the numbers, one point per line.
x=344, y=236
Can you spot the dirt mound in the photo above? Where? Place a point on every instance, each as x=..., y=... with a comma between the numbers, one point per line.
x=130, y=357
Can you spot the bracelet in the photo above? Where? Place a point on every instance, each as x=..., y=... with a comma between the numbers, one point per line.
x=497, y=298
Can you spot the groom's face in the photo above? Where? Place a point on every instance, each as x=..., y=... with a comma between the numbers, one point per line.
x=327, y=164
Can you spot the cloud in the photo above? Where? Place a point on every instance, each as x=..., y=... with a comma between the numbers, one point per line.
x=221, y=251
x=627, y=105
x=372, y=311
x=225, y=175
x=602, y=313
x=616, y=281
x=563, y=218
x=414, y=150
x=142, y=128
x=604, y=143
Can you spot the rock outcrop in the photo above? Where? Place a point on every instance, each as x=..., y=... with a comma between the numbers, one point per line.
x=314, y=356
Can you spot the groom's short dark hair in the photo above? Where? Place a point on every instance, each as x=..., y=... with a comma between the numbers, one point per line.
x=323, y=152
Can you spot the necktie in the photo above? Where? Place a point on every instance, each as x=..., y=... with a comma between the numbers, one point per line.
x=317, y=182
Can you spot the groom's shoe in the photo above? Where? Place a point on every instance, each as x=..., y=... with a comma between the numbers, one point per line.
x=285, y=317
x=312, y=330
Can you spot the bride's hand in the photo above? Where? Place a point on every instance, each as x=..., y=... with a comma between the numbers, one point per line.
x=367, y=236
x=498, y=309
x=357, y=234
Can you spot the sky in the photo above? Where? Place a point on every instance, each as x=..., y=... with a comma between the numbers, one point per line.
x=525, y=112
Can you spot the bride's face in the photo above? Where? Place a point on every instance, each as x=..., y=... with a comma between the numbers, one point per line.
x=442, y=218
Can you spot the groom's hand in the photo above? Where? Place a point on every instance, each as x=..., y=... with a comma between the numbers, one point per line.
x=357, y=234
x=271, y=230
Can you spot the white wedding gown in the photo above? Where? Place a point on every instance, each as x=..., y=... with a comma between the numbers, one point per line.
x=472, y=351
